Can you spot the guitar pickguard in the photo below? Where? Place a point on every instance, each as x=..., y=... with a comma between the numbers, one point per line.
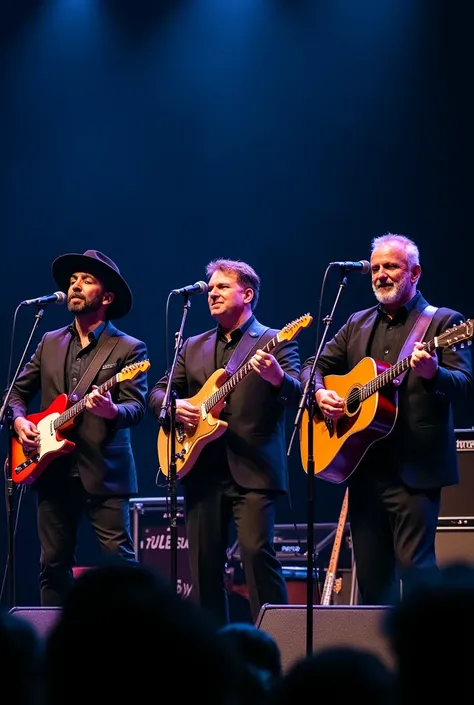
x=180, y=433
x=345, y=424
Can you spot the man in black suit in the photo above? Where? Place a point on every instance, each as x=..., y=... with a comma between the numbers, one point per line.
x=395, y=489
x=240, y=474
x=99, y=475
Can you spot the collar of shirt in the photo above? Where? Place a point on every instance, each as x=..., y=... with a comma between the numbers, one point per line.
x=403, y=312
x=93, y=335
x=237, y=333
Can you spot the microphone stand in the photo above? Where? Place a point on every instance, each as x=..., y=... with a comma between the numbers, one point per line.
x=168, y=413
x=307, y=401
x=5, y=413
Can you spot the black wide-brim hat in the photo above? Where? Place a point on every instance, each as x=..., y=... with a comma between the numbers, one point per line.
x=97, y=264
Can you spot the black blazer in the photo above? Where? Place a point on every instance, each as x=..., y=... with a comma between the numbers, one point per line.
x=103, y=448
x=426, y=452
x=255, y=440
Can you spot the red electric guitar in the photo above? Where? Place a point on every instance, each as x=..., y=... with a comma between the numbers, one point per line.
x=53, y=425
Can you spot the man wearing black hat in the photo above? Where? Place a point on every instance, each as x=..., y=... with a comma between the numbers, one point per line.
x=98, y=475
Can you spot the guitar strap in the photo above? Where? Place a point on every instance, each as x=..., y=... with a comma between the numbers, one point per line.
x=244, y=346
x=417, y=332
x=102, y=353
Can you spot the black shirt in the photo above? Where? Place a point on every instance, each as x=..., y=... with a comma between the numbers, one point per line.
x=77, y=362
x=389, y=334
x=224, y=347
x=388, y=338
x=78, y=358
x=215, y=453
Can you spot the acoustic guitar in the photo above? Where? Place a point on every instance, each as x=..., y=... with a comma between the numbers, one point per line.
x=370, y=410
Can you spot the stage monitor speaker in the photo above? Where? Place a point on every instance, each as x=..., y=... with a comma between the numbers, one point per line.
x=42, y=619
x=333, y=625
x=458, y=500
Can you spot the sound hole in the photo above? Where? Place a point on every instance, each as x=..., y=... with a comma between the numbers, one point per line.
x=353, y=401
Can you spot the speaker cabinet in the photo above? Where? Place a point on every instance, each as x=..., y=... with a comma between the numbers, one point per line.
x=42, y=619
x=151, y=529
x=455, y=541
x=333, y=625
x=458, y=500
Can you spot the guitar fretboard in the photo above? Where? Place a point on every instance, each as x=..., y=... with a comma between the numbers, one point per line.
x=79, y=406
x=237, y=377
x=391, y=373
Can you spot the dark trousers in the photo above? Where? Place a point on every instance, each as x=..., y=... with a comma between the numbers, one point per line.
x=60, y=510
x=393, y=531
x=209, y=511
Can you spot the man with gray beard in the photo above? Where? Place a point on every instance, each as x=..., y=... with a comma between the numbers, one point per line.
x=391, y=438
x=94, y=472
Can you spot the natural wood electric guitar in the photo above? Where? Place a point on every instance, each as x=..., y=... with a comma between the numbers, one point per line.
x=210, y=401
x=370, y=410
x=331, y=584
x=53, y=425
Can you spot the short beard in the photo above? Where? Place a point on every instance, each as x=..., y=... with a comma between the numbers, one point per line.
x=386, y=297
x=396, y=292
x=82, y=307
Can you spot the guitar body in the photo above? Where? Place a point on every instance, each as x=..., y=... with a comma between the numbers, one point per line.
x=189, y=443
x=27, y=468
x=338, y=446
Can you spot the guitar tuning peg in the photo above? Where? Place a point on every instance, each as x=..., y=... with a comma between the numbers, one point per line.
x=454, y=348
x=469, y=342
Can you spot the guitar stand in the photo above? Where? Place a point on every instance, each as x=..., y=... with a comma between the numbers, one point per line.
x=354, y=596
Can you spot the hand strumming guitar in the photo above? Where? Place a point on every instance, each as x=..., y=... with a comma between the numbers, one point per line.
x=330, y=403
x=27, y=433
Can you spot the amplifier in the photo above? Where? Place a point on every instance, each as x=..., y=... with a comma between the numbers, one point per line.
x=455, y=540
x=291, y=544
x=458, y=500
x=152, y=539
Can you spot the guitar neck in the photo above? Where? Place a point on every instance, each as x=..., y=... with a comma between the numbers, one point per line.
x=391, y=373
x=332, y=568
x=237, y=377
x=79, y=406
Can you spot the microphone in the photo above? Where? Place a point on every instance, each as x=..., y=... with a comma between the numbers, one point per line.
x=363, y=266
x=197, y=288
x=59, y=297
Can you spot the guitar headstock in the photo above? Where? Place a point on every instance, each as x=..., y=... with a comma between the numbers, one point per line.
x=455, y=336
x=132, y=370
x=292, y=329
